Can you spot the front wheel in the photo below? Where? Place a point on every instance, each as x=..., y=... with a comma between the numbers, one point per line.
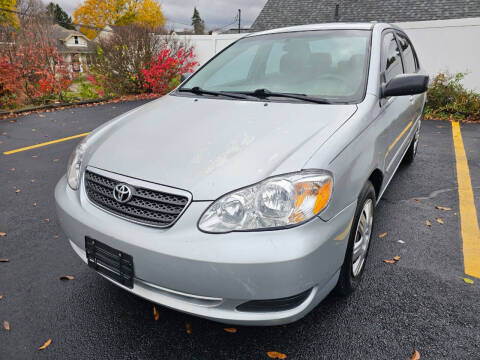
x=358, y=242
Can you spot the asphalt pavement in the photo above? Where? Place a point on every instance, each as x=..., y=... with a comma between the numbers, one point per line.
x=421, y=302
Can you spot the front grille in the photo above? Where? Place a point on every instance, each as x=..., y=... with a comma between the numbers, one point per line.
x=147, y=206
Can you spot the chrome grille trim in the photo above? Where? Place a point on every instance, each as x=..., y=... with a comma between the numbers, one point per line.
x=151, y=204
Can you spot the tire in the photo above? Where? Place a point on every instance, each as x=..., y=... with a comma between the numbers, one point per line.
x=412, y=149
x=352, y=269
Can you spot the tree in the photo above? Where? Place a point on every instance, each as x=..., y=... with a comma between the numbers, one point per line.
x=198, y=23
x=41, y=75
x=164, y=73
x=98, y=13
x=122, y=56
x=59, y=16
x=8, y=18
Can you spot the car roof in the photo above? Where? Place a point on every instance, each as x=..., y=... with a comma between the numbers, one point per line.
x=325, y=26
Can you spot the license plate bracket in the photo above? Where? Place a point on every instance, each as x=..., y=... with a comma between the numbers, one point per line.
x=110, y=262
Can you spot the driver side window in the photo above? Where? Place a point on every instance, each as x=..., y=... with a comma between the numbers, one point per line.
x=392, y=61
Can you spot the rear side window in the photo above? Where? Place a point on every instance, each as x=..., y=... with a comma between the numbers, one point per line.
x=392, y=61
x=409, y=58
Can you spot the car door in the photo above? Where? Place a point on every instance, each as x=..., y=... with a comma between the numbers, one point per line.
x=396, y=110
x=411, y=66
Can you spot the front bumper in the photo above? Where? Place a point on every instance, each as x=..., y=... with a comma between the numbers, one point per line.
x=209, y=275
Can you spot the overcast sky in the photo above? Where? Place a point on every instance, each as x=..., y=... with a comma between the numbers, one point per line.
x=216, y=13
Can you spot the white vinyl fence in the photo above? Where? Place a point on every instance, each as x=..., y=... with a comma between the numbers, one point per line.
x=443, y=46
x=448, y=45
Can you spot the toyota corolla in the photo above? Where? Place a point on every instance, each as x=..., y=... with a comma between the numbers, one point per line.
x=248, y=193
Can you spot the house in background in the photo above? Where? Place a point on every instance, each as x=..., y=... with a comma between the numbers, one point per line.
x=282, y=13
x=74, y=47
x=106, y=33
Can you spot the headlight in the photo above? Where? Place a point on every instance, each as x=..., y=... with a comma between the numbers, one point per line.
x=277, y=202
x=75, y=164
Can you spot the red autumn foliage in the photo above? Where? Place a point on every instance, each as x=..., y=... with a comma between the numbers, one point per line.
x=42, y=72
x=30, y=66
x=9, y=87
x=163, y=73
x=98, y=82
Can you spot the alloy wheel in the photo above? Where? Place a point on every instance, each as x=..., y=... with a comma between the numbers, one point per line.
x=362, y=237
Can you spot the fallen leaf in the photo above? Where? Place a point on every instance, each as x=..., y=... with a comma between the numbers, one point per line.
x=2, y=234
x=396, y=258
x=468, y=281
x=156, y=315
x=428, y=223
x=276, y=355
x=4, y=133
x=416, y=200
x=3, y=260
x=13, y=169
x=47, y=220
x=56, y=160
x=34, y=129
x=382, y=235
x=47, y=343
x=1, y=297
x=56, y=236
x=189, y=328
x=389, y=261
x=440, y=221
x=33, y=180
x=17, y=191
x=6, y=325
x=67, y=277
x=415, y=355
x=443, y=208
x=41, y=115
x=230, y=330
x=34, y=204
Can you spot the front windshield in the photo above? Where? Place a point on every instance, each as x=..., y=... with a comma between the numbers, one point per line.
x=328, y=64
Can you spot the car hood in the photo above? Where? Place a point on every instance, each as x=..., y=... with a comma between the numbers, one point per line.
x=213, y=146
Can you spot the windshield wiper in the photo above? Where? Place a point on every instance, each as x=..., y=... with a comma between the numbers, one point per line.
x=199, y=91
x=264, y=93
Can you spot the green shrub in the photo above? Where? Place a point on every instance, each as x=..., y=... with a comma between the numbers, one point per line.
x=448, y=99
x=69, y=97
x=87, y=91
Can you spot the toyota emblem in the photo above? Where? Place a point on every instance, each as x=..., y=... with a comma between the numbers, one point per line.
x=122, y=193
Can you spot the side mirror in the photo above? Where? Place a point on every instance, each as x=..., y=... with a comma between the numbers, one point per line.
x=405, y=84
x=184, y=77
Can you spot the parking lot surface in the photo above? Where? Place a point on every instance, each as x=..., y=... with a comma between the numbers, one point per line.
x=421, y=302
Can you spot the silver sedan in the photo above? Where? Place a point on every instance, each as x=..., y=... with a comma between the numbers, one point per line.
x=248, y=193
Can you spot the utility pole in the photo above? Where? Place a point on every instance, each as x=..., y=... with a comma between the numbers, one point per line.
x=239, y=20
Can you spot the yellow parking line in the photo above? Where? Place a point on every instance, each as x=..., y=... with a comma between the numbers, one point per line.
x=468, y=213
x=44, y=144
